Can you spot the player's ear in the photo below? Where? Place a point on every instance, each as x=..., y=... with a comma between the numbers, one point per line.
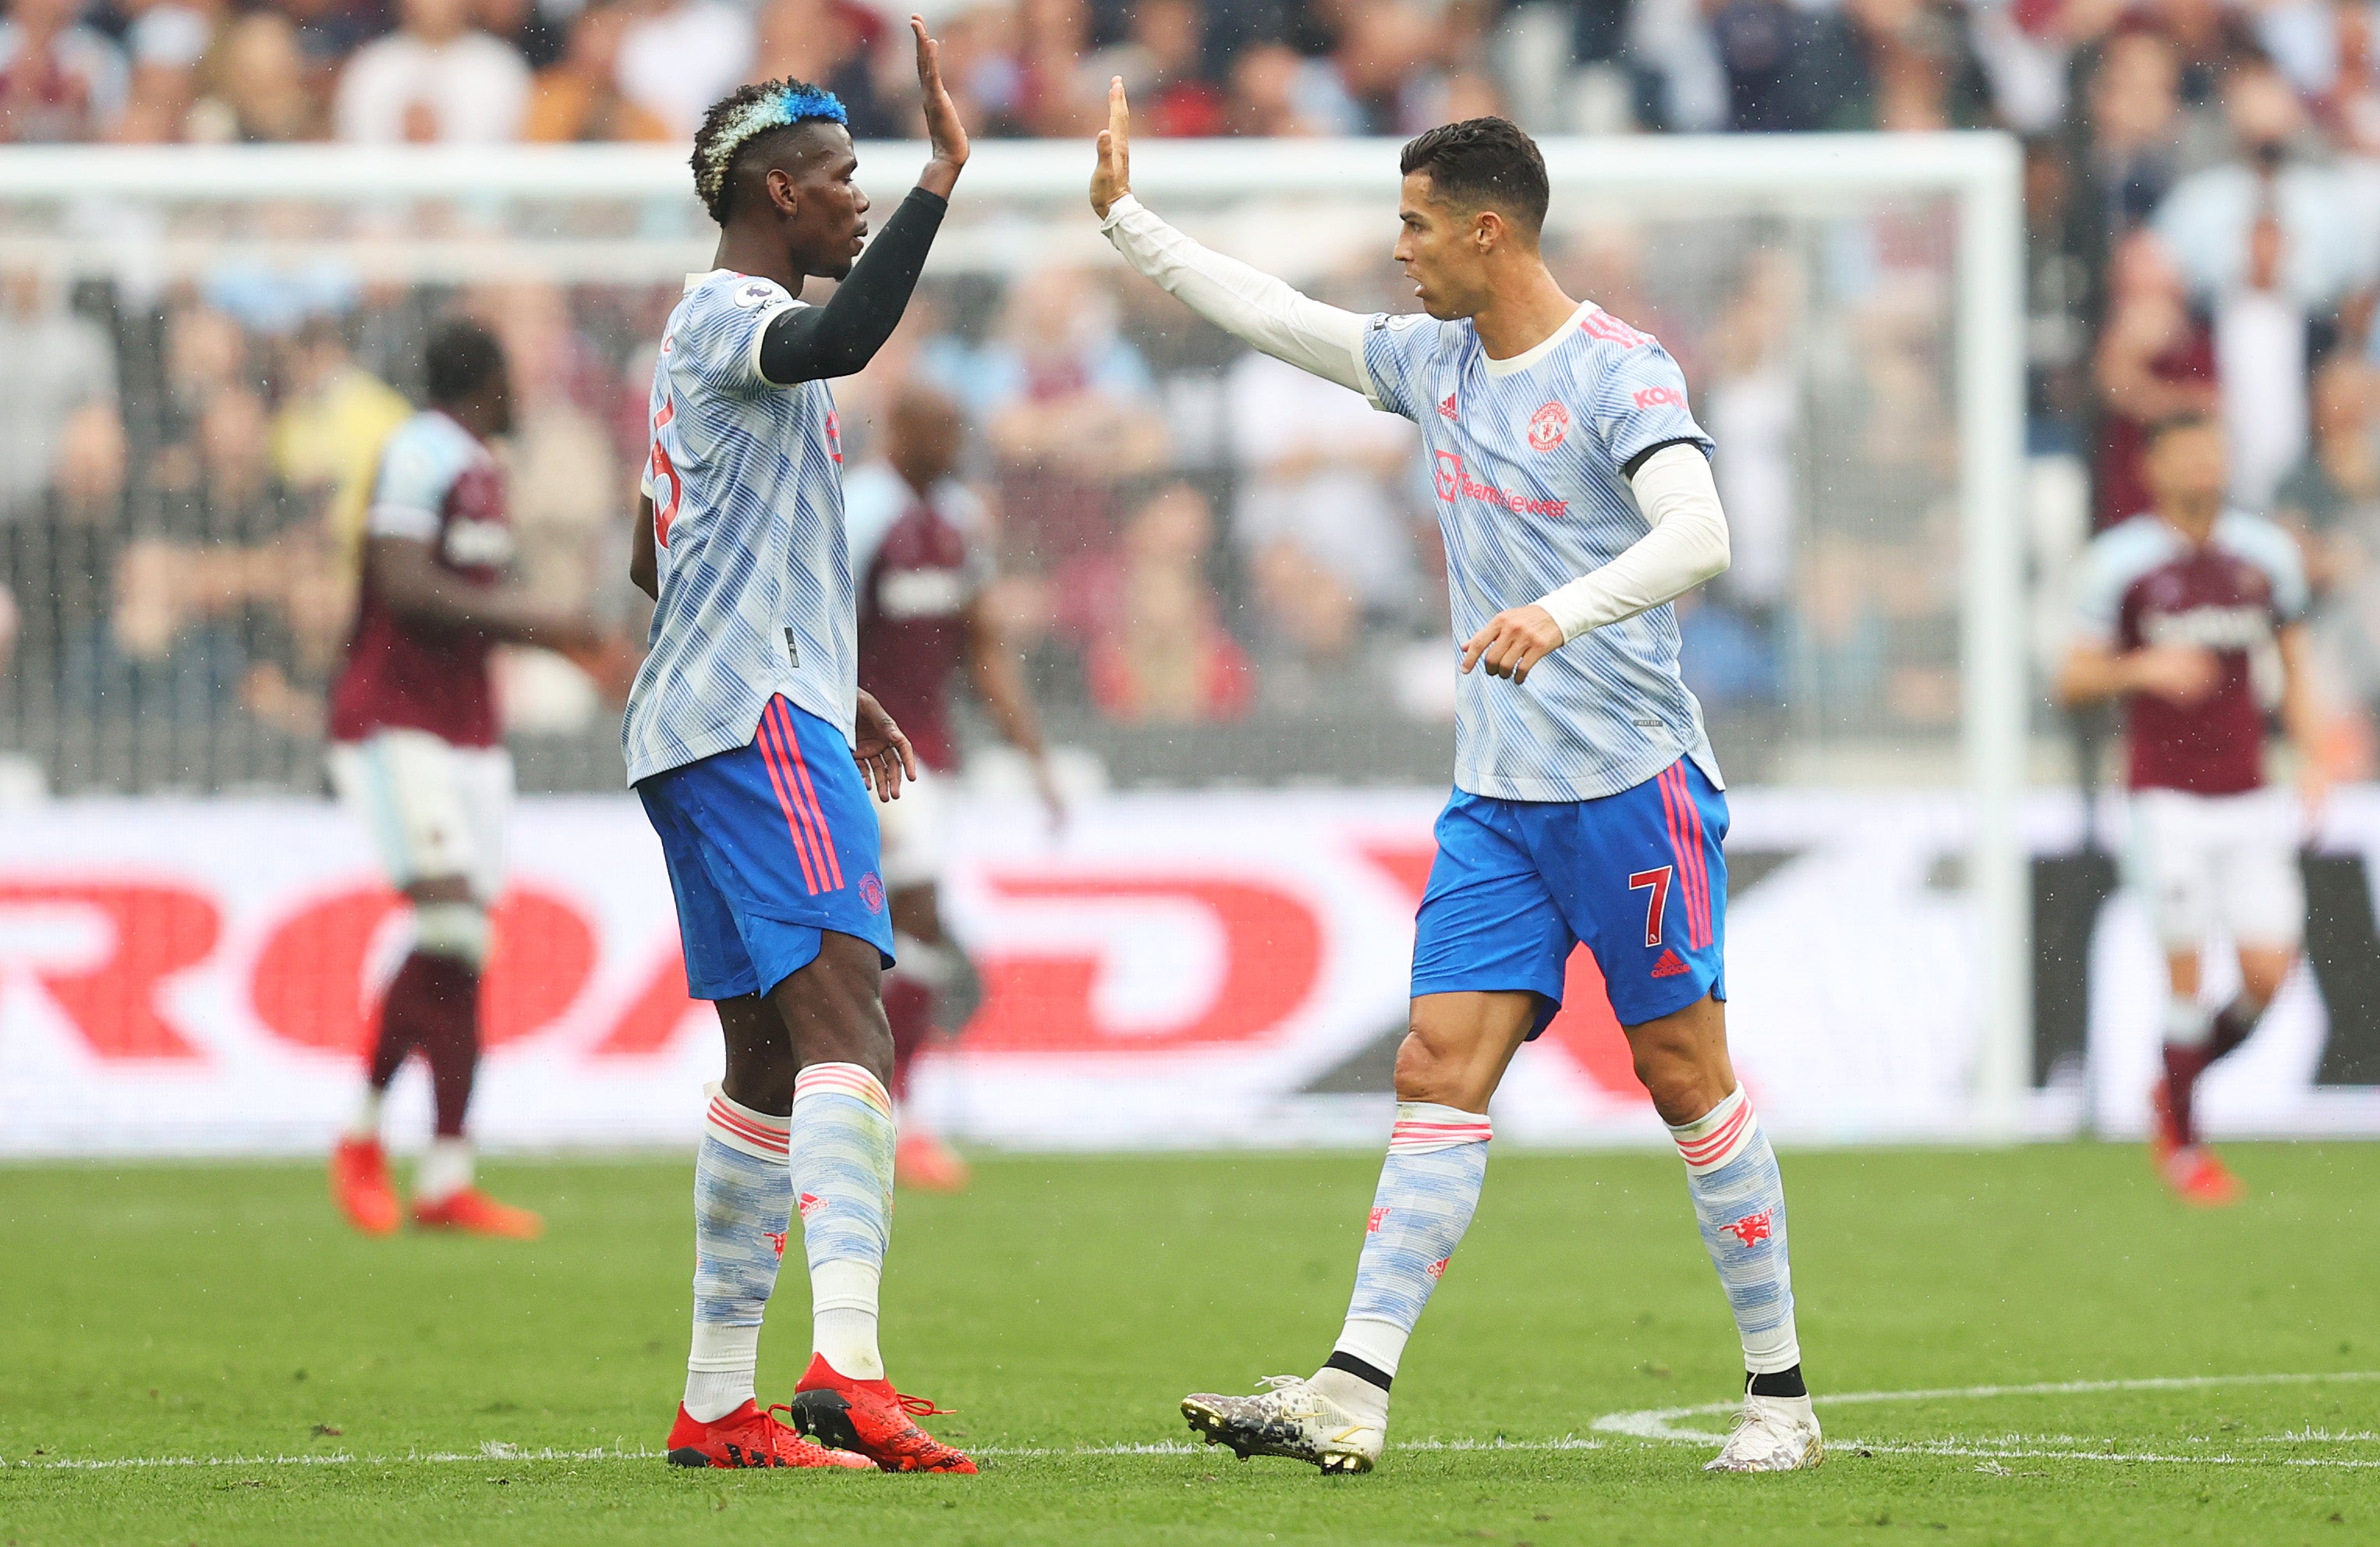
x=784, y=193
x=1487, y=231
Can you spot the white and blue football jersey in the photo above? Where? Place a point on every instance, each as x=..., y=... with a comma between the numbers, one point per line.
x=1529, y=458
x=746, y=479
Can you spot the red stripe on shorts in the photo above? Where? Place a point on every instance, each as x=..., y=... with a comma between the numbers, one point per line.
x=782, y=778
x=809, y=795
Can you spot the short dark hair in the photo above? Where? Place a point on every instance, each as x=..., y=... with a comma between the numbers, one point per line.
x=463, y=356
x=1484, y=163
x=753, y=122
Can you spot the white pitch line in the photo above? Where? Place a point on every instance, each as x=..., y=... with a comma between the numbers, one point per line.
x=495, y=1451
x=1658, y=1423
x=1651, y=1423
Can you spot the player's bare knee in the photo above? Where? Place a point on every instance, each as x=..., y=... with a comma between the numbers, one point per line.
x=2263, y=971
x=760, y=1062
x=835, y=1009
x=1672, y=1065
x=1426, y=1070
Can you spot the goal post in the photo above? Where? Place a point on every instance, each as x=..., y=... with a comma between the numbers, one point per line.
x=1883, y=371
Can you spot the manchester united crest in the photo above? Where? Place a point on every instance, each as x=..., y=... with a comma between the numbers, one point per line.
x=1548, y=426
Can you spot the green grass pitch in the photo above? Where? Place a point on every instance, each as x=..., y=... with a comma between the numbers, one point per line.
x=342, y=1390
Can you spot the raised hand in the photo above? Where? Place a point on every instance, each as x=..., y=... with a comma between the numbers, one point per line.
x=883, y=754
x=948, y=135
x=1112, y=179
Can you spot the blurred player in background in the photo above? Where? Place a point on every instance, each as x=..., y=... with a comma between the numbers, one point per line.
x=2192, y=616
x=417, y=753
x=922, y=564
x=748, y=738
x=1576, y=500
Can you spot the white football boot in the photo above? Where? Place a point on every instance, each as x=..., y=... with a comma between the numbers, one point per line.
x=1291, y=1418
x=1772, y=1434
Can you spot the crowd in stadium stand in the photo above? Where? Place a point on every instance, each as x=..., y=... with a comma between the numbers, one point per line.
x=2203, y=202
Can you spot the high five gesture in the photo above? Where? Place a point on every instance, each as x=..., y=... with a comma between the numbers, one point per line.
x=948, y=135
x=1112, y=179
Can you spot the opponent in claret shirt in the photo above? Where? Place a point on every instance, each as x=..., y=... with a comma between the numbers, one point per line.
x=2192, y=617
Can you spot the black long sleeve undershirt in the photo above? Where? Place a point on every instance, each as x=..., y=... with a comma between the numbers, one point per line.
x=838, y=338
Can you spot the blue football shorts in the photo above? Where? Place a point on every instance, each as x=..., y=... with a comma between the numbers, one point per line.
x=1638, y=878
x=769, y=846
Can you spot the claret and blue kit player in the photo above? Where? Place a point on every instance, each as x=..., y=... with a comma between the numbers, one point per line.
x=756, y=756
x=2192, y=617
x=1575, y=499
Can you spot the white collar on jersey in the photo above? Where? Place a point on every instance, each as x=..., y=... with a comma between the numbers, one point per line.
x=1545, y=346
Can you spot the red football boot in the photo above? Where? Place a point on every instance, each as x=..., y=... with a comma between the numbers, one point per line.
x=869, y=1416
x=748, y=1437
x=2196, y=1177
x=359, y=1185
x=921, y=1160
x=474, y=1213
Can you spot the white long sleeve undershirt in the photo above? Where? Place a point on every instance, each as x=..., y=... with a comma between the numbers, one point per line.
x=1688, y=543
x=1687, y=546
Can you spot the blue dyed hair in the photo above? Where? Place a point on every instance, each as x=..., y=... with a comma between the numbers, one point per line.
x=752, y=111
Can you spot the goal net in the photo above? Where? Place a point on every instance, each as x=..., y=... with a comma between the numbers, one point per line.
x=1225, y=580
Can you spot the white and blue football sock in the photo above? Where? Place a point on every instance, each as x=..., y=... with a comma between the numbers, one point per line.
x=843, y=1142
x=1739, y=1201
x=743, y=1202
x=1429, y=1187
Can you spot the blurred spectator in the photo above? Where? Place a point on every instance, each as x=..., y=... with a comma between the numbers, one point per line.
x=1752, y=407
x=1060, y=99
x=2261, y=371
x=1390, y=59
x=59, y=81
x=2156, y=361
x=679, y=56
x=579, y=96
x=1787, y=68
x=537, y=29
x=2207, y=221
x=436, y=79
x=1154, y=645
x=1687, y=85
x=59, y=418
x=329, y=31
x=830, y=43
x=1278, y=92
x=1321, y=519
x=333, y=418
x=1070, y=410
x=567, y=487
x=1161, y=66
x=221, y=591
x=2132, y=157
x=982, y=70
x=2331, y=499
x=254, y=84
x=2022, y=47
x=2349, y=107
x=166, y=41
